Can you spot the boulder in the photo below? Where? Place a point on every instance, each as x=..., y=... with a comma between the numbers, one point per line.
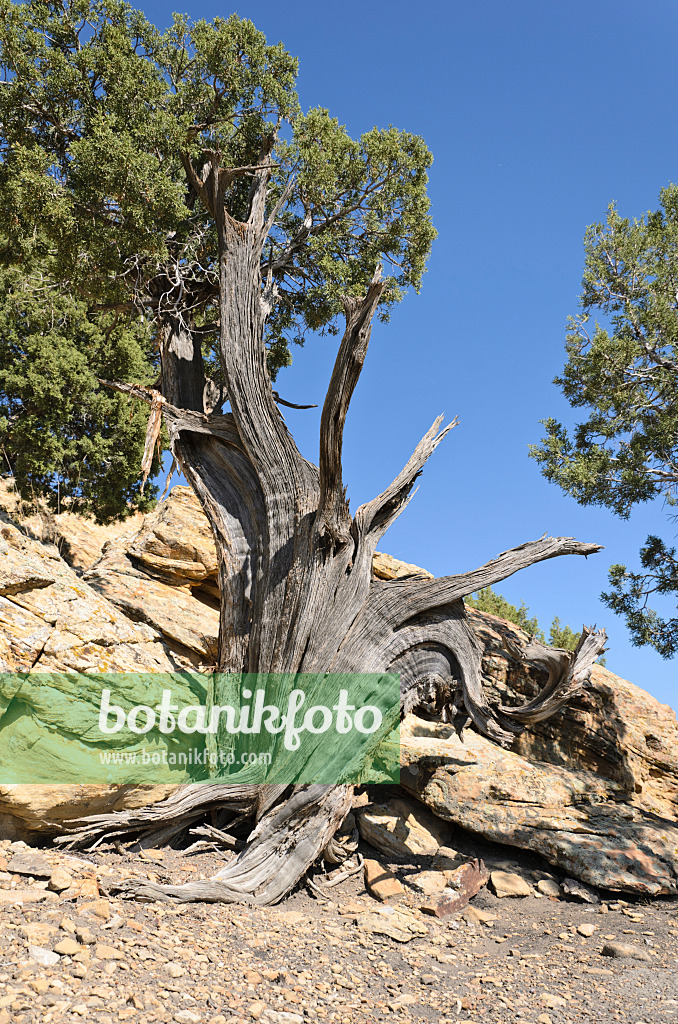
x=166, y=577
x=55, y=632
x=575, y=818
x=402, y=830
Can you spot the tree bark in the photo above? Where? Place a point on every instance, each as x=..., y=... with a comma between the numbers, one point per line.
x=295, y=571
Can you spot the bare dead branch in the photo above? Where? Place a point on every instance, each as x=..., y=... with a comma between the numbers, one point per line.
x=418, y=596
x=334, y=519
x=376, y=516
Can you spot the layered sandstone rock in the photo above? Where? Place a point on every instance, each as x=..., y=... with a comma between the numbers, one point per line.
x=56, y=631
x=79, y=541
x=595, y=789
x=577, y=819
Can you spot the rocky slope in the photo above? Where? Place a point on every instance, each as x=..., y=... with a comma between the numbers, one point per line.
x=594, y=789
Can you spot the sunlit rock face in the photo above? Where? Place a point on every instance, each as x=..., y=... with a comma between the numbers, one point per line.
x=594, y=789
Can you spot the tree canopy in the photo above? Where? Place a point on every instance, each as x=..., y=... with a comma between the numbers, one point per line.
x=115, y=139
x=623, y=370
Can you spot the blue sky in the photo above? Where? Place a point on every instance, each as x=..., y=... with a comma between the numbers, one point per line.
x=538, y=115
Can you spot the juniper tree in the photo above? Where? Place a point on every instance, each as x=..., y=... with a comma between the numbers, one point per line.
x=623, y=371
x=172, y=176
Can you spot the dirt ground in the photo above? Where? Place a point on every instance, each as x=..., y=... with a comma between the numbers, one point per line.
x=82, y=955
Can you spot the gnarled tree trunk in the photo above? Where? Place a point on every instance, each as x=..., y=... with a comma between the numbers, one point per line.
x=295, y=569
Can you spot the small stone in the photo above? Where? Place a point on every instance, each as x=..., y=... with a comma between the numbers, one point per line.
x=67, y=947
x=60, y=880
x=430, y=883
x=42, y=956
x=474, y=915
x=624, y=950
x=506, y=883
x=86, y=936
x=552, y=1001
x=381, y=882
x=67, y=925
x=39, y=985
x=38, y=933
x=446, y=859
x=85, y=888
x=291, y=917
x=256, y=1009
x=544, y=1018
x=577, y=890
x=100, y=908
x=187, y=1017
x=104, y=952
x=175, y=971
x=548, y=887
x=23, y=895
x=586, y=929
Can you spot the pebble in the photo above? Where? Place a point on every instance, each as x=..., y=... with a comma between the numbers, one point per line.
x=551, y=1001
x=67, y=947
x=548, y=887
x=104, y=952
x=187, y=1017
x=43, y=957
x=586, y=929
x=625, y=950
x=474, y=915
x=60, y=880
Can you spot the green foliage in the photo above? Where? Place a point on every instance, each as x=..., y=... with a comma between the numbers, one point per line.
x=100, y=117
x=487, y=600
x=563, y=636
x=61, y=436
x=624, y=372
x=631, y=591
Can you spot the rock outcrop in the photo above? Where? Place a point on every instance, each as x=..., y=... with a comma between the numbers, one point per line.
x=577, y=820
x=614, y=729
x=595, y=789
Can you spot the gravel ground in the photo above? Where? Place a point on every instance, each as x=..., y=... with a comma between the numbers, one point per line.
x=77, y=954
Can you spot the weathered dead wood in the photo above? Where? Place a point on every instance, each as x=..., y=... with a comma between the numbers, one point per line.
x=333, y=516
x=295, y=568
x=280, y=849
